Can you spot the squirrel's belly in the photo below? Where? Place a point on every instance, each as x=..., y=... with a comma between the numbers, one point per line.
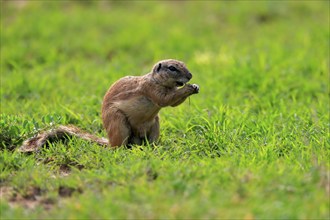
x=139, y=110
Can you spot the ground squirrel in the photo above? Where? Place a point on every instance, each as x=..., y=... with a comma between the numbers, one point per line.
x=130, y=107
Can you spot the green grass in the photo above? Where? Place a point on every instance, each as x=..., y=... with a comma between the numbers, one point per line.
x=254, y=143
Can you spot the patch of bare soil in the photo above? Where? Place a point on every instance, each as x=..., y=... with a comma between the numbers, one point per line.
x=34, y=196
x=64, y=170
x=65, y=191
x=30, y=199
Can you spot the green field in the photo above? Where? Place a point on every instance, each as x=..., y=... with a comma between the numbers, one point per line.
x=253, y=144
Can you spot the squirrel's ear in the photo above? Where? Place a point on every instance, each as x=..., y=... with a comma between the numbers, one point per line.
x=158, y=67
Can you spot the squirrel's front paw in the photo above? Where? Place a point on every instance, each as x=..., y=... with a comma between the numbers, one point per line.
x=194, y=87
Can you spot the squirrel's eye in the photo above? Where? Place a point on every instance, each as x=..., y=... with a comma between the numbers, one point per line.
x=172, y=68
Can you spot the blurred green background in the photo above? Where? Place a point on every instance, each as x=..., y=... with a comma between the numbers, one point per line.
x=247, y=46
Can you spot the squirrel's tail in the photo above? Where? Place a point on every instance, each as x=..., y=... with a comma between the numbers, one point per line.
x=62, y=132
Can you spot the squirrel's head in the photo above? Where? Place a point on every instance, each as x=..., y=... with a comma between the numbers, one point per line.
x=171, y=73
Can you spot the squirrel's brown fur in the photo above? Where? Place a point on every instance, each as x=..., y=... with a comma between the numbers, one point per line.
x=130, y=107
